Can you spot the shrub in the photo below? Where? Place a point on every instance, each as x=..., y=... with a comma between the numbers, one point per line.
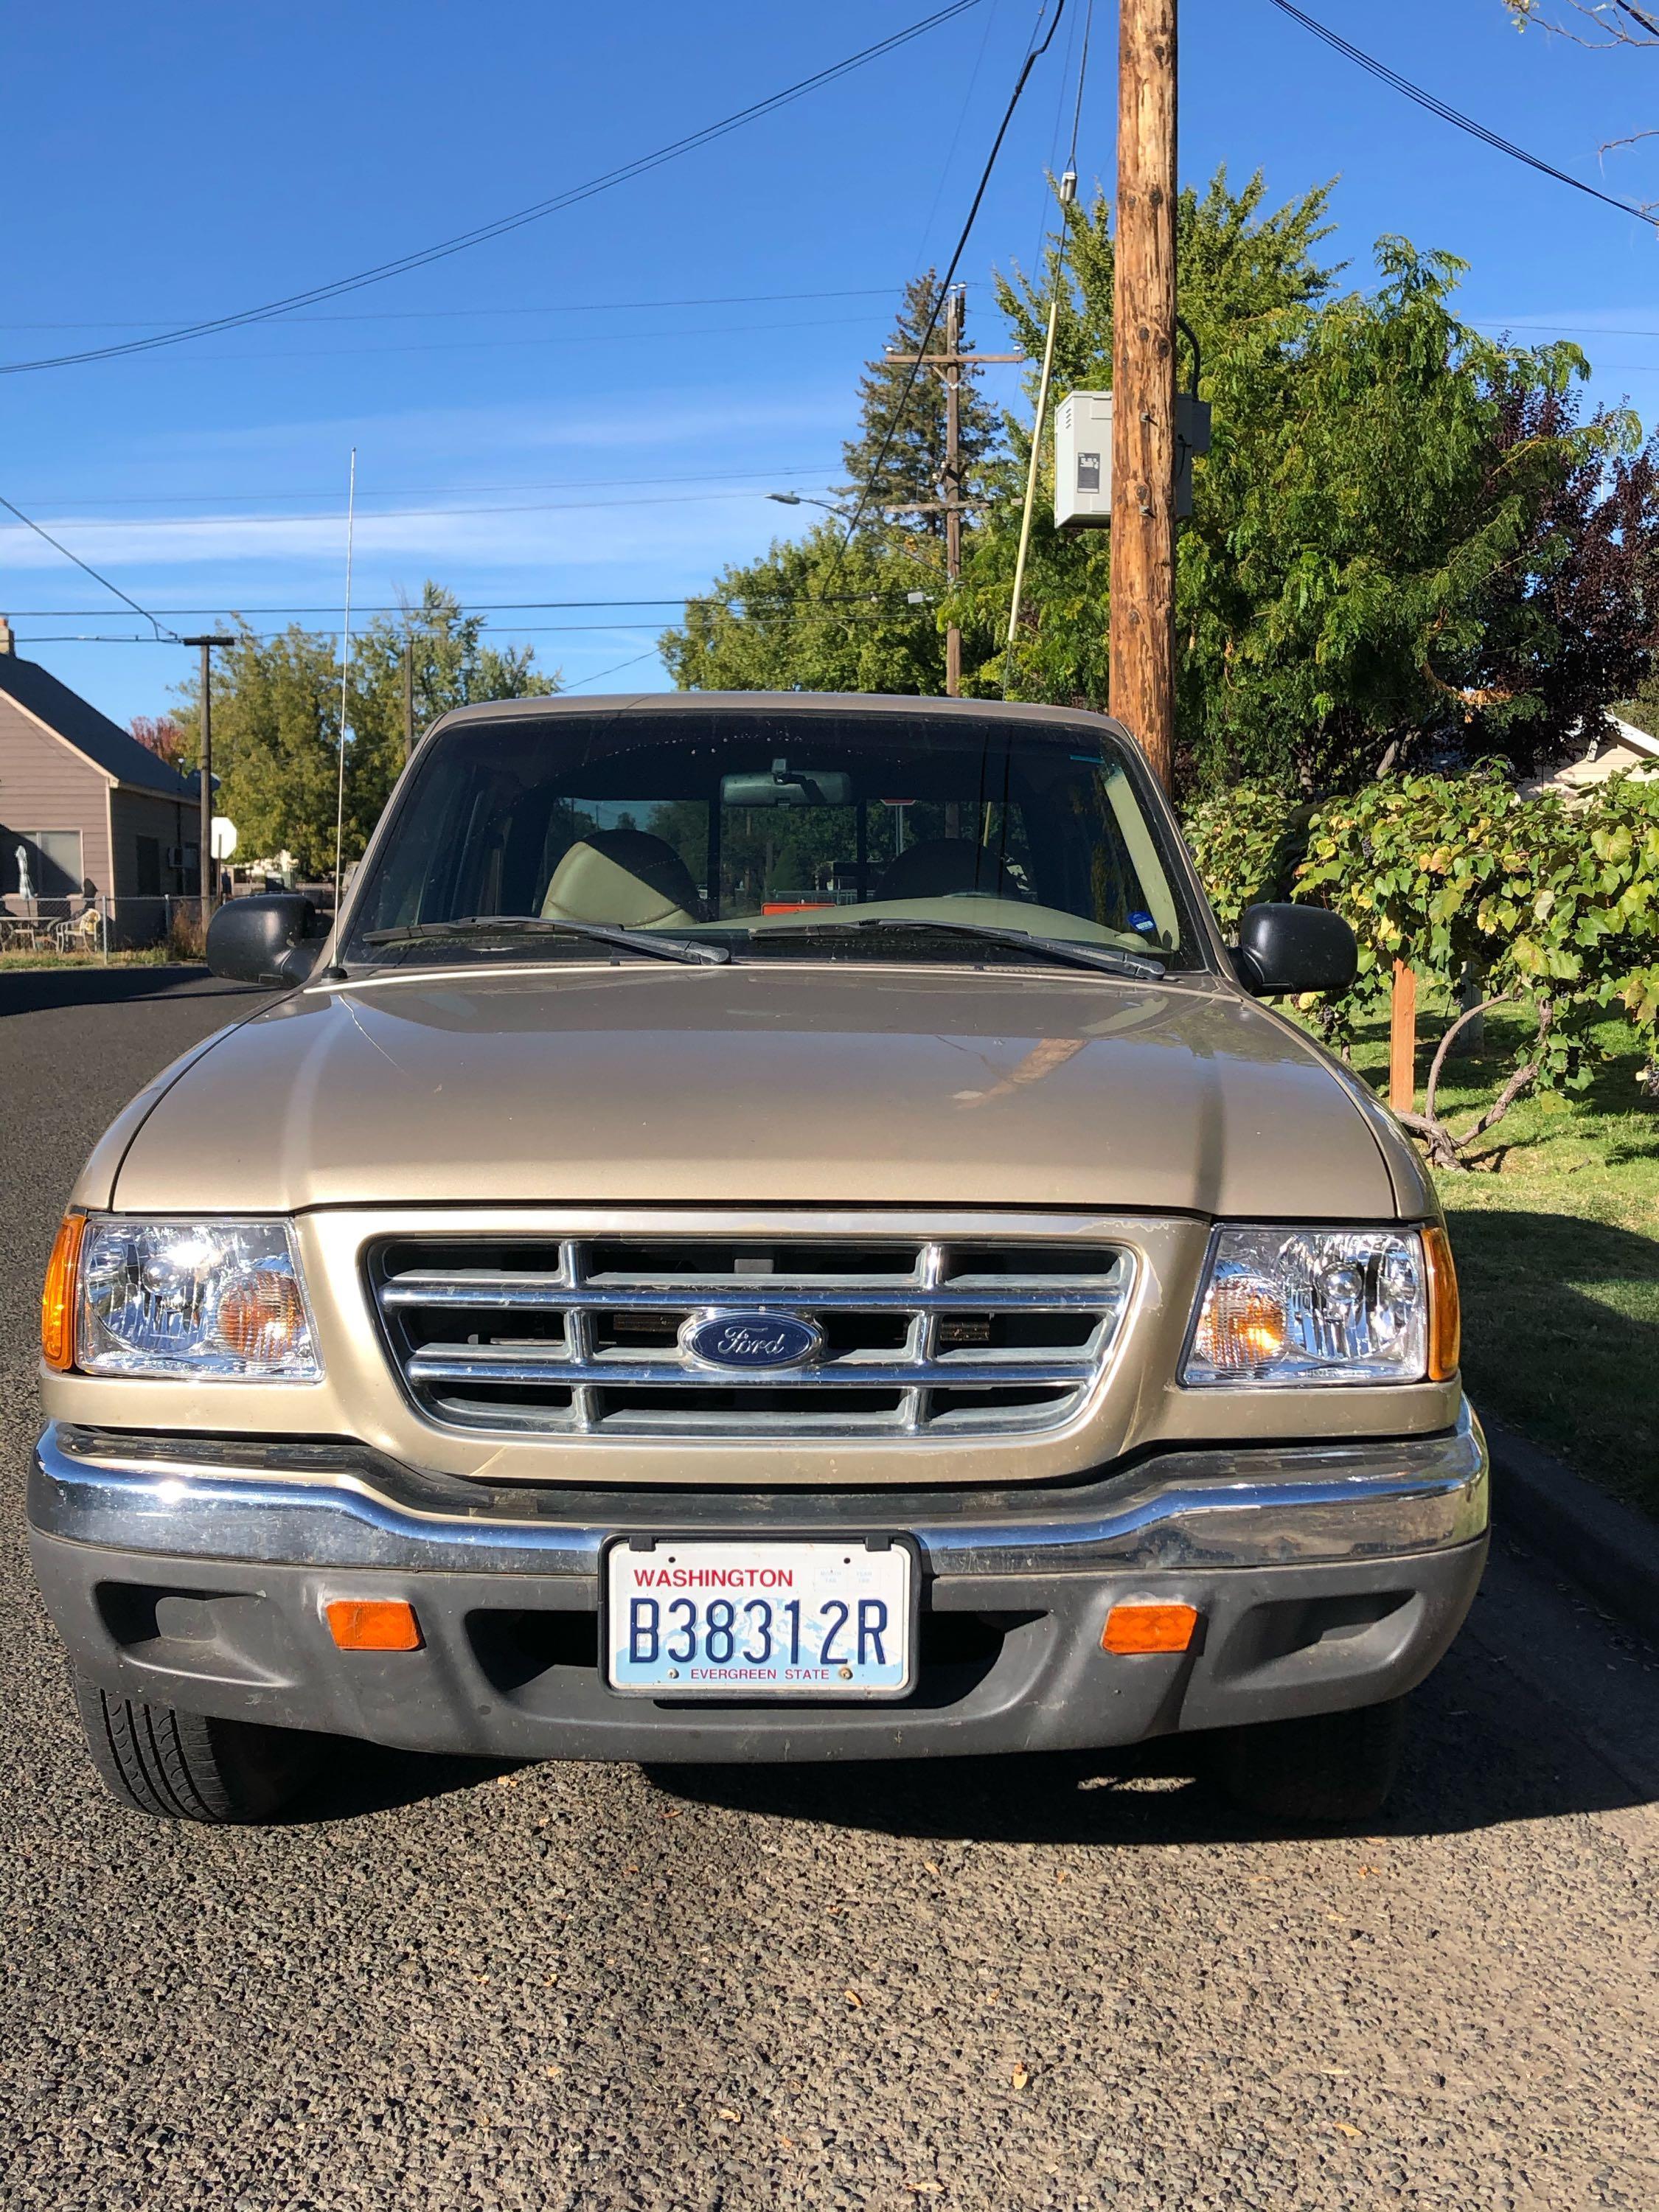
x=1554, y=908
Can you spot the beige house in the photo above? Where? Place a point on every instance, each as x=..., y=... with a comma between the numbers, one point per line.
x=91, y=811
x=1619, y=749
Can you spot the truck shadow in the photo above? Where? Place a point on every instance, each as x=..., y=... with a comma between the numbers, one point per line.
x=1478, y=1757
x=37, y=990
x=1486, y=1749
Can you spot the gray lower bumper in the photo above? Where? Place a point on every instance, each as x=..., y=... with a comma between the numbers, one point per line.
x=195, y=1574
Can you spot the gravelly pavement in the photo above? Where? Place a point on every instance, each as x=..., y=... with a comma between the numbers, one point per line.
x=1029, y=1984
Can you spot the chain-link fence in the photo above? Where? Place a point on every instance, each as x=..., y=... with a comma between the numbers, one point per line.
x=96, y=928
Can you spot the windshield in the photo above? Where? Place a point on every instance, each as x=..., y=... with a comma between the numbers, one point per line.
x=779, y=833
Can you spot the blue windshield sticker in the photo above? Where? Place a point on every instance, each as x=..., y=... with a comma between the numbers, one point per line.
x=1143, y=921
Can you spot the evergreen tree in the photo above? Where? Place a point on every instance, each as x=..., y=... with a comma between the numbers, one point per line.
x=914, y=467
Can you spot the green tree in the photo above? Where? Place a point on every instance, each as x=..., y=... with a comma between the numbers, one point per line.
x=277, y=721
x=901, y=473
x=1380, y=476
x=453, y=665
x=807, y=618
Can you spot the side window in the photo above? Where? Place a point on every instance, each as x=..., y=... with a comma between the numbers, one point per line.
x=148, y=873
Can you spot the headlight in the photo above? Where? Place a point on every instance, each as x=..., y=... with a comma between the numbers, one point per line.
x=1286, y=1308
x=222, y=1299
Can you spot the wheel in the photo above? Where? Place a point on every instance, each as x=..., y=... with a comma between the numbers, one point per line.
x=185, y=1766
x=1331, y=1767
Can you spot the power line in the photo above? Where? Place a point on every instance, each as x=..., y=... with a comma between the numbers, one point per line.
x=506, y=346
x=396, y=514
x=1453, y=115
x=791, y=610
x=506, y=606
x=1034, y=54
x=409, y=491
x=87, y=568
x=424, y=256
x=428, y=314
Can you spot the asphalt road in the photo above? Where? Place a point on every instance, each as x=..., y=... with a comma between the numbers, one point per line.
x=1021, y=1984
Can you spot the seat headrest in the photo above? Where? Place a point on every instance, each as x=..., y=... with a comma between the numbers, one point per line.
x=625, y=877
x=943, y=867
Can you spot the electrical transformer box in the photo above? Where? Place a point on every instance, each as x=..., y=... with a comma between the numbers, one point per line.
x=1083, y=460
x=1083, y=457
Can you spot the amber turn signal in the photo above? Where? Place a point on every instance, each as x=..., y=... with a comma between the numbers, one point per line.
x=58, y=1295
x=373, y=1624
x=1445, y=1315
x=1134, y=1628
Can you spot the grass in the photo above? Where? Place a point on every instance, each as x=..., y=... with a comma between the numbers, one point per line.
x=147, y=956
x=1556, y=1233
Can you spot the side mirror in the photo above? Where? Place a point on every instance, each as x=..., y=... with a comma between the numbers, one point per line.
x=1285, y=948
x=267, y=939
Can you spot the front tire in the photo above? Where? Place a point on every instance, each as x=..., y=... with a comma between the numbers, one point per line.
x=1329, y=1770
x=185, y=1766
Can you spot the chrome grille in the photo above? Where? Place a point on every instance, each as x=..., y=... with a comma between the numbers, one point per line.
x=581, y=1336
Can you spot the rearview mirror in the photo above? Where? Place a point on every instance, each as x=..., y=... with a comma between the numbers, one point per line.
x=788, y=787
x=271, y=939
x=1285, y=948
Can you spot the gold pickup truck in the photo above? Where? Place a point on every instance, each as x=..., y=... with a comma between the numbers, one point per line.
x=774, y=1227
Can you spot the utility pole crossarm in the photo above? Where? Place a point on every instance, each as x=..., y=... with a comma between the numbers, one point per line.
x=950, y=360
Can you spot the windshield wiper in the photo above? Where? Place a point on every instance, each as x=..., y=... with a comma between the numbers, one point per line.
x=475, y=926
x=1053, y=948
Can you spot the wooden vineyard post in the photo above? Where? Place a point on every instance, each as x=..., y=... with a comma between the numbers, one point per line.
x=1402, y=1038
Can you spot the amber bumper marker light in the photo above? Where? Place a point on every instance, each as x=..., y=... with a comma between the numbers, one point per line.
x=1142, y=1628
x=58, y=1295
x=1445, y=1312
x=373, y=1624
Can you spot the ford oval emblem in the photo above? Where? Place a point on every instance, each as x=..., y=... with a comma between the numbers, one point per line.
x=756, y=1342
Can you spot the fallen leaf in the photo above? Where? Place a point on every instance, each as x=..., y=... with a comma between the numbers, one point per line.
x=931, y=1866
x=725, y=2112
x=926, y=2188
x=1022, y=2075
x=1343, y=2129
x=1060, y=1876
x=853, y=1998
x=674, y=1812
x=554, y=2071
x=787, y=2141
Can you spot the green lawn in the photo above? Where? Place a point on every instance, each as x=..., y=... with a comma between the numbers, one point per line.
x=147, y=956
x=1556, y=1234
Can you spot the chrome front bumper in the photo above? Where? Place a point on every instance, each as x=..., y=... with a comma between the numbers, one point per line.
x=337, y=1506
x=196, y=1573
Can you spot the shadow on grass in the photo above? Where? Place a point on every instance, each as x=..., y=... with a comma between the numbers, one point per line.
x=1577, y=1372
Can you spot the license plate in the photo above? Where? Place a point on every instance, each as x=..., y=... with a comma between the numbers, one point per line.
x=718, y=1619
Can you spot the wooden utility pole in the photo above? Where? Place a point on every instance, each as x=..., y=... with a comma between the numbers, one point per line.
x=206, y=868
x=1144, y=383
x=952, y=485
x=950, y=365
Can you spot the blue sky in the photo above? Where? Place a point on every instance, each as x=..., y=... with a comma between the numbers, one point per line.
x=524, y=431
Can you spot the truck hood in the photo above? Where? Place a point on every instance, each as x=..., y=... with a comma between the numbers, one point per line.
x=761, y=1084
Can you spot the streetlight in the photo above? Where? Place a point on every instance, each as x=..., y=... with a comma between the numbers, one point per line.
x=205, y=861
x=806, y=499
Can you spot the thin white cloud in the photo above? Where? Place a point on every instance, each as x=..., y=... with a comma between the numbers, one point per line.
x=567, y=536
